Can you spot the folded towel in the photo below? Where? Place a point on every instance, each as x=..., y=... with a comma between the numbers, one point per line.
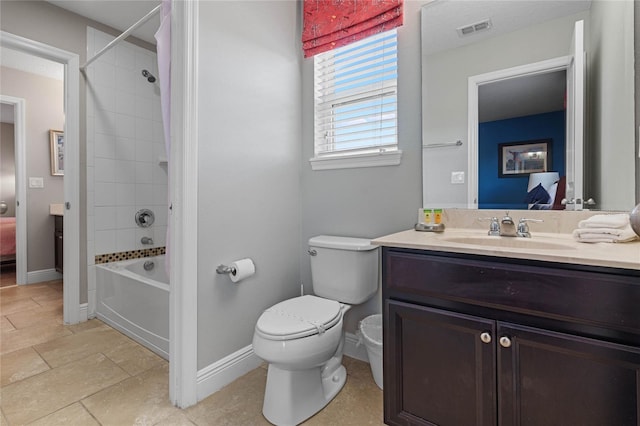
x=605, y=235
x=606, y=221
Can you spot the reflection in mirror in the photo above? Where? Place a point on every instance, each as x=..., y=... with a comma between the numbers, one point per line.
x=520, y=33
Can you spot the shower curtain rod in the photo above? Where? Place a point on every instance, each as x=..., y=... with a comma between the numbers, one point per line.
x=122, y=36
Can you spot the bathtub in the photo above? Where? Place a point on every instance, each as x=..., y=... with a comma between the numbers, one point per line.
x=135, y=301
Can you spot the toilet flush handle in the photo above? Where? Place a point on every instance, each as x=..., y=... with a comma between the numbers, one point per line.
x=312, y=252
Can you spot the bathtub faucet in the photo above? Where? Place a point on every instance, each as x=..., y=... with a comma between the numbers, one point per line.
x=146, y=240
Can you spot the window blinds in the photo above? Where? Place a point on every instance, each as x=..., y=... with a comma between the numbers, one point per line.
x=356, y=97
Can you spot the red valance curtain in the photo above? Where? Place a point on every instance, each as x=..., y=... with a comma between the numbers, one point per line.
x=334, y=23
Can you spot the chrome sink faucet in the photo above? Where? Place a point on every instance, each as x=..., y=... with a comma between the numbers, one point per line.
x=507, y=226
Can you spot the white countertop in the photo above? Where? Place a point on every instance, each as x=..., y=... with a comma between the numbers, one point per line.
x=549, y=247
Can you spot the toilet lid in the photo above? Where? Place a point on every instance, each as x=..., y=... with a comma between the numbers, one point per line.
x=298, y=317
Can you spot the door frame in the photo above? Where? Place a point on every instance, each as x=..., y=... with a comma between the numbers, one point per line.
x=71, y=252
x=20, y=160
x=474, y=83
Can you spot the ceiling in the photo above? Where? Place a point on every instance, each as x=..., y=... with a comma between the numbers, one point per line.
x=442, y=17
x=29, y=63
x=117, y=14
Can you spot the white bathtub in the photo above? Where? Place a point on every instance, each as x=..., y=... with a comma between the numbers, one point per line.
x=135, y=301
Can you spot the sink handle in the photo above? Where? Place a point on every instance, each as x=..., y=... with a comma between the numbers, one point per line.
x=494, y=227
x=523, y=228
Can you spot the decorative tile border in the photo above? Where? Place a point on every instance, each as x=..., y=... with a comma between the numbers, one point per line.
x=128, y=255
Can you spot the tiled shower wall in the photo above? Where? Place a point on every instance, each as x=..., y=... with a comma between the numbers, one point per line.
x=126, y=160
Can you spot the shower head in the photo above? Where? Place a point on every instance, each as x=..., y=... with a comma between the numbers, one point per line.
x=150, y=77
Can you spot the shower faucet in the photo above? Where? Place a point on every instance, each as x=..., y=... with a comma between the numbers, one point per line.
x=146, y=240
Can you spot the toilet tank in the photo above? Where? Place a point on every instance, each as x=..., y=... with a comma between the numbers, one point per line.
x=343, y=268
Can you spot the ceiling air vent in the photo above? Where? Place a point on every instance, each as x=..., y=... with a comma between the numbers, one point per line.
x=470, y=29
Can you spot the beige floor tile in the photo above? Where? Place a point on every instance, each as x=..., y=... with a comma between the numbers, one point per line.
x=38, y=396
x=19, y=365
x=356, y=368
x=239, y=403
x=139, y=400
x=80, y=345
x=49, y=300
x=84, y=326
x=39, y=315
x=11, y=306
x=3, y=420
x=178, y=419
x=21, y=292
x=133, y=358
x=5, y=324
x=19, y=339
x=74, y=414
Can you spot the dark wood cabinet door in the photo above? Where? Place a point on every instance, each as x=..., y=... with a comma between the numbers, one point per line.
x=548, y=378
x=438, y=370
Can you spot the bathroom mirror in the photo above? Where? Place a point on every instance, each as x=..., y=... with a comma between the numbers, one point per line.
x=465, y=40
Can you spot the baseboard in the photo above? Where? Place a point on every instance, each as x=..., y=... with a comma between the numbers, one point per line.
x=83, y=312
x=353, y=348
x=219, y=374
x=34, y=277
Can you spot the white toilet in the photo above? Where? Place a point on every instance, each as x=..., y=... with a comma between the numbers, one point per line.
x=302, y=338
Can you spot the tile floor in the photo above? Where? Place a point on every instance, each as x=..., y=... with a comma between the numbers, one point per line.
x=90, y=374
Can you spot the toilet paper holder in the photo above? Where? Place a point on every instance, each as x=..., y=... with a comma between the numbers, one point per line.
x=224, y=269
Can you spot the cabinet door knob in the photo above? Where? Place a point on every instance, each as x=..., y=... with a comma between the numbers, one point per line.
x=505, y=342
x=485, y=337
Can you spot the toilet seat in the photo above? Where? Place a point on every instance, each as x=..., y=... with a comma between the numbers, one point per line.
x=298, y=317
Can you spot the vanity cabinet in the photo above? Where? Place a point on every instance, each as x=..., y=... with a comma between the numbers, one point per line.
x=481, y=340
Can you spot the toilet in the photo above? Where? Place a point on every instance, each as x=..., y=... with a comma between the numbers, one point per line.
x=302, y=338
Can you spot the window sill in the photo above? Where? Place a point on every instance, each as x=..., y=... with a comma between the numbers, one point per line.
x=378, y=159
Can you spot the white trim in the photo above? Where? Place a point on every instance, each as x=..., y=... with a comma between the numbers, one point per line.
x=354, y=347
x=83, y=312
x=71, y=255
x=42, y=275
x=183, y=218
x=377, y=159
x=215, y=376
x=20, y=144
x=475, y=81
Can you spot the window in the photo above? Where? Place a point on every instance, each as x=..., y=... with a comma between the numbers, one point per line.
x=355, y=94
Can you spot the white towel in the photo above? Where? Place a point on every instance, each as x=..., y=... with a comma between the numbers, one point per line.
x=619, y=221
x=605, y=235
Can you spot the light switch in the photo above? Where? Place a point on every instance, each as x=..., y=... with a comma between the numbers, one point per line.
x=457, y=177
x=36, y=182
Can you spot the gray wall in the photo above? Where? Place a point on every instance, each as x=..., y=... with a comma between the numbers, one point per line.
x=7, y=168
x=366, y=202
x=610, y=72
x=249, y=161
x=44, y=111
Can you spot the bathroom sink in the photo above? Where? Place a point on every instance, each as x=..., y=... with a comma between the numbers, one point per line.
x=508, y=242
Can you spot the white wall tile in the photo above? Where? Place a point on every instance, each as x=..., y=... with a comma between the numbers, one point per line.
x=125, y=194
x=145, y=232
x=161, y=236
x=125, y=126
x=144, y=129
x=125, y=149
x=104, y=74
x=125, y=217
x=161, y=214
x=91, y=271
x=158, y=132
x=160, y=195
x=145, y=60
x=160, y=175
x=105, y=218
x=126, y=79
x=143, y=107
x=90, y=204
x=125, y=56
x=105, y=242
x=125, y=171
x=144, y=88
x=91, y=250
x=105, y=170
x=105, y=97
x=144, y=195
x=105, y=146
x=125, y=240
x=105, y=194
x=125, y=102
x=105, y=122
x=144, y=151
x=101, y=40
x=144, y=173
x=91, y=227
x=156, y=111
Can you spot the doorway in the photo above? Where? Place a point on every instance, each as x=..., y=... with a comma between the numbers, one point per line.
x=71, y=247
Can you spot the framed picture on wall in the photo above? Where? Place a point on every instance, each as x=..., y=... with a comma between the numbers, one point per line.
x=57, y=152
x=519, y=159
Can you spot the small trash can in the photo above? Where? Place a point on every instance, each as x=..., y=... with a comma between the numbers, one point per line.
x=371, y=330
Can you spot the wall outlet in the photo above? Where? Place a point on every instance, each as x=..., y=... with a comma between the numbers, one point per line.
x=457, y=177
x=36, y=182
